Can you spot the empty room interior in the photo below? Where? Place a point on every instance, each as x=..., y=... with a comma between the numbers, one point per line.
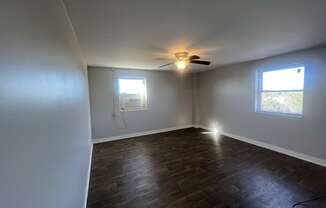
x=163, y=104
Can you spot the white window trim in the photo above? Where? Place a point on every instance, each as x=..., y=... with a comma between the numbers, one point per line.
x=259, y=90
x=146, y=94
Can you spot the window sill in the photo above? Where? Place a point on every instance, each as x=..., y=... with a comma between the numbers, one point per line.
x=287, y=115
x=135, y=110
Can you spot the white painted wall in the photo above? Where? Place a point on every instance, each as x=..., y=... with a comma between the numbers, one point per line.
x=169, y=102
x=44, y=108
x=227, y=102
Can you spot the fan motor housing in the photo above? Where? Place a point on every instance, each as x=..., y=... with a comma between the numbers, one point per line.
x=181, y=55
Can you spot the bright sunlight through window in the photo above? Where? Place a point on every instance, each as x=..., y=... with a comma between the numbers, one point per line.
x=281, y=91
x=132, y=94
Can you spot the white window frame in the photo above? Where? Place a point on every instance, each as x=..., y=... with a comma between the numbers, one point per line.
x=146, y=96
x=259, y=90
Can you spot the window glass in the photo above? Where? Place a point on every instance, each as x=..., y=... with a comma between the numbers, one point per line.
x=132, y=94
x=287, y=79
x=281, y=91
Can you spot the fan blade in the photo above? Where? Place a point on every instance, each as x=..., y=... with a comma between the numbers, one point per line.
x=193, y=57
x=164, y=59
x=200, y=62
x=165, y=65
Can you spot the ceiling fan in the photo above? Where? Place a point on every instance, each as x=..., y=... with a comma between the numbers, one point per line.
x=183, y=60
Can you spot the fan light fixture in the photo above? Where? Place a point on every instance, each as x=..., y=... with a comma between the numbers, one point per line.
x=181, y=65
x=182, y=60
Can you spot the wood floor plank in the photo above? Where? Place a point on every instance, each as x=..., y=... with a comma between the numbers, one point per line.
x=187, y=168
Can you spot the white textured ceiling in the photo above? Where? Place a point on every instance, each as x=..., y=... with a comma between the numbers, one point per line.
x=142, y=33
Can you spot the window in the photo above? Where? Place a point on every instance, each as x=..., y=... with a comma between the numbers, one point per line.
x=281, y=91
x=132, y=94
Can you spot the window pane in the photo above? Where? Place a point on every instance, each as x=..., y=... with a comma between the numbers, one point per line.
x=132, y=94
x=282, y=102
x=285, y=79
x=132, y=86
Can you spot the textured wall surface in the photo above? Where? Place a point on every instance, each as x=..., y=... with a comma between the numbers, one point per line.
x=169, y=102
x=44, y=108
x=227, y=103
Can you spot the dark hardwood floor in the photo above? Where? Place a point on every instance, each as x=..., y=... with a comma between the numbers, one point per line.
x=190, y=168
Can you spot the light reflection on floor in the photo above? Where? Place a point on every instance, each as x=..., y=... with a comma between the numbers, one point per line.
x=215, y=135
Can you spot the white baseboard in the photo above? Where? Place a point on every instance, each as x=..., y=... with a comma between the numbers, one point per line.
x=202, y=127
x=143, y=133
x=282, y=150
x=88, y=175
x=285, y=151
